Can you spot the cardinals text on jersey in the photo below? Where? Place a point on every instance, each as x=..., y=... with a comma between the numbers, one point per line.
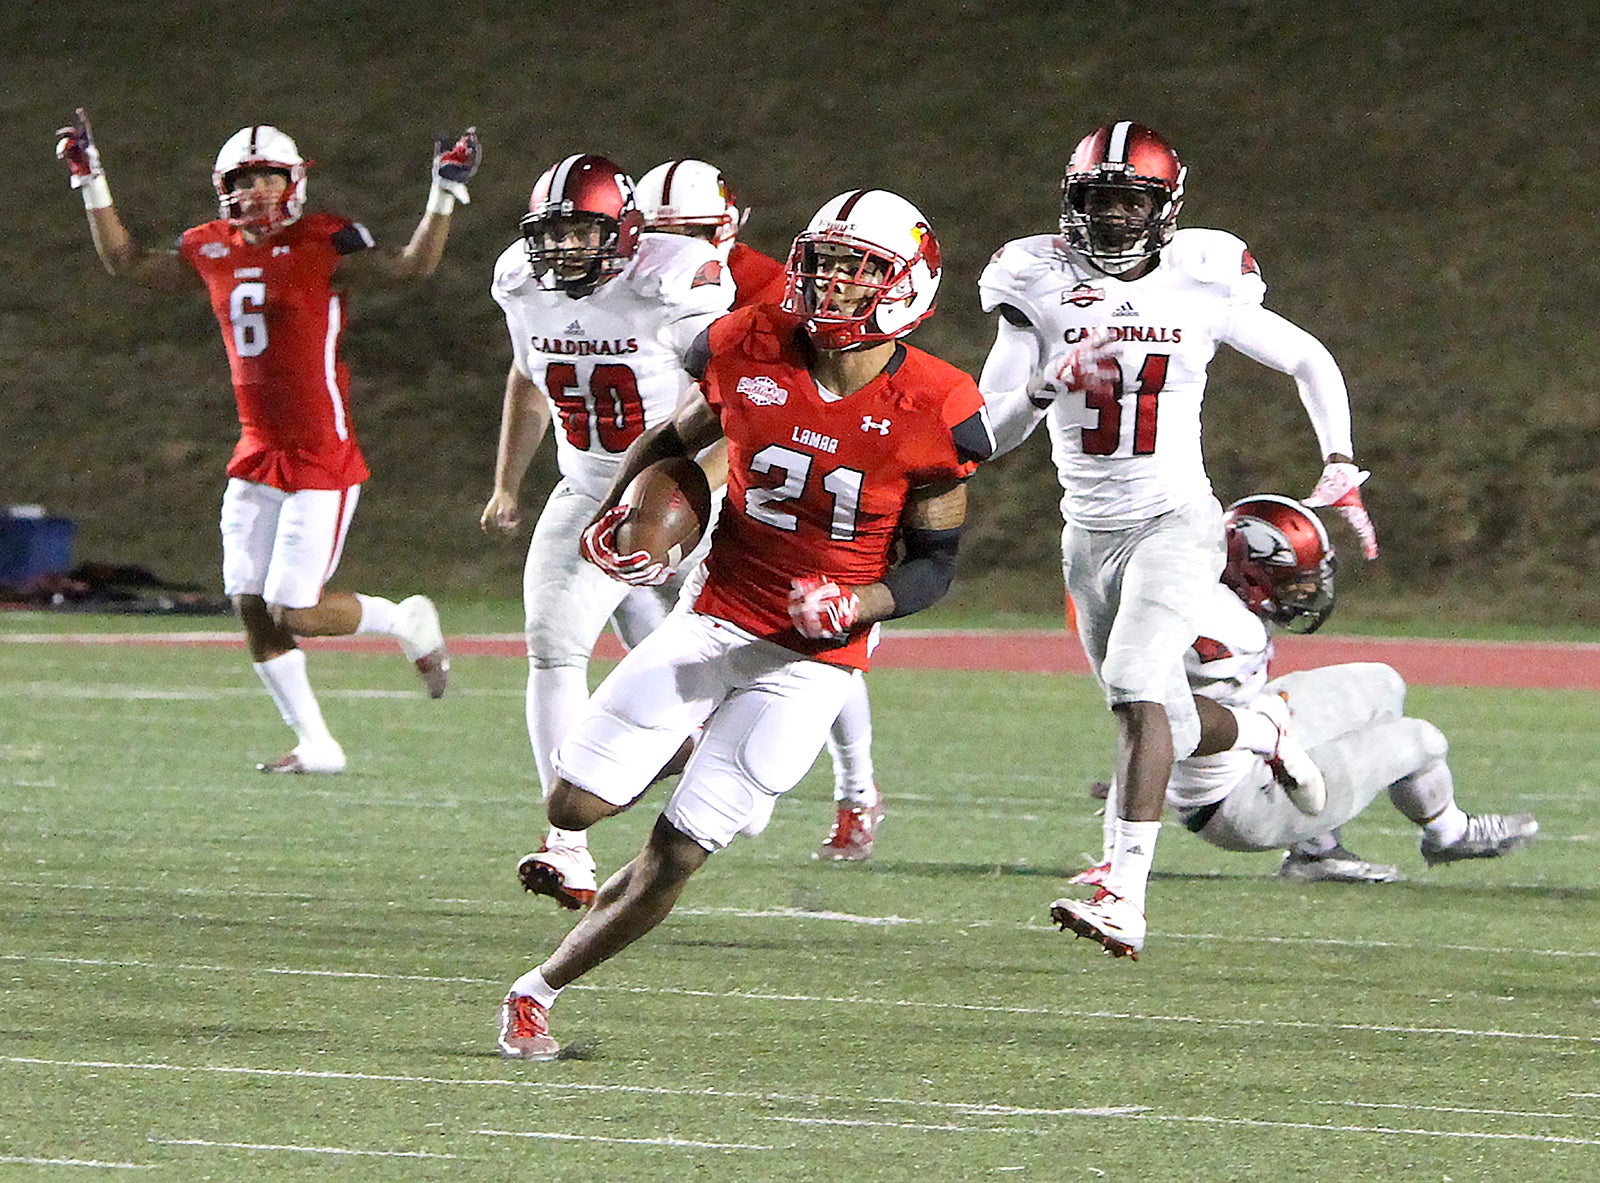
x=611, y=362
x=817, y=485
x=282, y=320
x=1134, y=455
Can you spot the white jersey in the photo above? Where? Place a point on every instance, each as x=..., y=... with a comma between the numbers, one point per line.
x=611, y=362
x=1125, y=460
x=1227, y=663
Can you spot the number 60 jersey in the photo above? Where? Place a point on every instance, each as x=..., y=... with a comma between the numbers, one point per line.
x=611, y=362
x=1127, y=458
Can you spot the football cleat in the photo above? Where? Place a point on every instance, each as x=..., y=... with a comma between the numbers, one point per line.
x=1105, y=918
x=422, y=640
x=1489, y=835
x=1094, y=876
x=525, y=1030
x=855, y=828
x=564, y=873
x=303, y=759
x=1336, y=866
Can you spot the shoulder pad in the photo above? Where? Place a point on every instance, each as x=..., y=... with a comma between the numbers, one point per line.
x=679, y=270
x=1215, y=257
x=511, y=270
x=1015, y=268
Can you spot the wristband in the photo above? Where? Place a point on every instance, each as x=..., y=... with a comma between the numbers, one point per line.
x=96, y=193
x=440, y=199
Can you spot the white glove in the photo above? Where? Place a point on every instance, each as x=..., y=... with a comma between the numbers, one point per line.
x=822, y=610
x=1340, y=488
x=1090, y=367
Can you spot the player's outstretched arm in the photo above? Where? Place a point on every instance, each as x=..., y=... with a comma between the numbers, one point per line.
x=524, y=419
x=454, y=164
x=119, y=253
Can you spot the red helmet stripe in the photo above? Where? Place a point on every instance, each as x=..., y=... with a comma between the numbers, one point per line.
x=666, y=183
x=850, y=204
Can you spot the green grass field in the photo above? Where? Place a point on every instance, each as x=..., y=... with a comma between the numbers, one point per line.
x=215, y=974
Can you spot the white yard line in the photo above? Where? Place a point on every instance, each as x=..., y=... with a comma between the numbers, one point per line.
x=337, y=1150
x=680, y=1143
x=21, y=1161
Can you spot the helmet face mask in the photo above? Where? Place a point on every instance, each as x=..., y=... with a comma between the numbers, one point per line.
x=865, y=271
x=582, y=225
x=1120, y=196
x=1280, y=561
x=243, y=202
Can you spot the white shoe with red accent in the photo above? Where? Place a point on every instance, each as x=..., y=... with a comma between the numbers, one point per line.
x=422, y=641
x=1105, y=918
x=525, y=1030
x=855, y=828
x=321, y=758
x=1093, y=876
x=564, y=873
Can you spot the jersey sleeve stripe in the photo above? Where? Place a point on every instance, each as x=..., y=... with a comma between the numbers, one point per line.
x=330, y=367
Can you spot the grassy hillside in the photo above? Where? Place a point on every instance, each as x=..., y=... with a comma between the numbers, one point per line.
x=1418, y=191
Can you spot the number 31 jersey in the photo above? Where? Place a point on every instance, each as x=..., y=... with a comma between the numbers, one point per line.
x=1124, y=459
x=611, y=362
x=282, y=321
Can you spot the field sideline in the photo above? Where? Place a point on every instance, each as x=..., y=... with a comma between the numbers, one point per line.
x=1524, y=665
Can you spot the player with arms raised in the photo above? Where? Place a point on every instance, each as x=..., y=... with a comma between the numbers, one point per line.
x=600, y=319
x=275, y=275
x=1106, y=330
x=694, y=198
x=840, y=437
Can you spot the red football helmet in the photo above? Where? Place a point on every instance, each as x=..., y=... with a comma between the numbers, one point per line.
x=1121, y=157
x=1280, y=561
x=864, y=271
x=582, y=224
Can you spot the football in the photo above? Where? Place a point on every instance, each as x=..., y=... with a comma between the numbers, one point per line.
x=669, y=508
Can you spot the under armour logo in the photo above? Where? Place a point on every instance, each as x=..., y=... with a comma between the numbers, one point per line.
x=279, y=250
x=1135, y=850
x=1126, y=309
x=868, y=423
x=575, y=329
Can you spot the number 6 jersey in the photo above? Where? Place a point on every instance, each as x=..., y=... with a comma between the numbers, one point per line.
x=1127, y=458
x=282, y=320
x=611, y=362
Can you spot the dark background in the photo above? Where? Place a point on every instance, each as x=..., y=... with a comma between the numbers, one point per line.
x=1420, y=189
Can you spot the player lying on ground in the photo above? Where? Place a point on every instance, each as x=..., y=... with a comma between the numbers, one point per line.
x=1350, y=719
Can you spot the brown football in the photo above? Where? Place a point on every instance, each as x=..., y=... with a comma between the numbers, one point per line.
x=669, y=507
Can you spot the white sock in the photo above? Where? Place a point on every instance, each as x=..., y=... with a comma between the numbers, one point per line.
x=566, y=839
x=285, y=679
x=533, y=985
x=1108, y=822
x=1449, y=827
x=850, y=749
x=556, y=698
x=378, y=615
x=1425, y=795
x=1131, y=857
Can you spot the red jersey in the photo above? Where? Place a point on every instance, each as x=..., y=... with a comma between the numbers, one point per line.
x=757, y=278
x=282, y=320
x=818, y=486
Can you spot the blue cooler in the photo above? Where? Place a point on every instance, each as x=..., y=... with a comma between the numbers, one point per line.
x=33, y=544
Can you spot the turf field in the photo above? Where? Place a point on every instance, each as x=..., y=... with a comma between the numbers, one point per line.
x=214, y=974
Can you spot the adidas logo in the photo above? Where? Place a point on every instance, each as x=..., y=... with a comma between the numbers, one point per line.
x=575, y=329
x=1126, y=308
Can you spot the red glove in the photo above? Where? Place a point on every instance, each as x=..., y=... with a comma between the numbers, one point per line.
x=822, y=610
x=598, y=544
x=75, y=148
x=456, y=164
x=1340, y=488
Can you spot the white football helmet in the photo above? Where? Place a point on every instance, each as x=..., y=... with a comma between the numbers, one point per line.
x=689, y=194
x=897, y=264
x=260, y=146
